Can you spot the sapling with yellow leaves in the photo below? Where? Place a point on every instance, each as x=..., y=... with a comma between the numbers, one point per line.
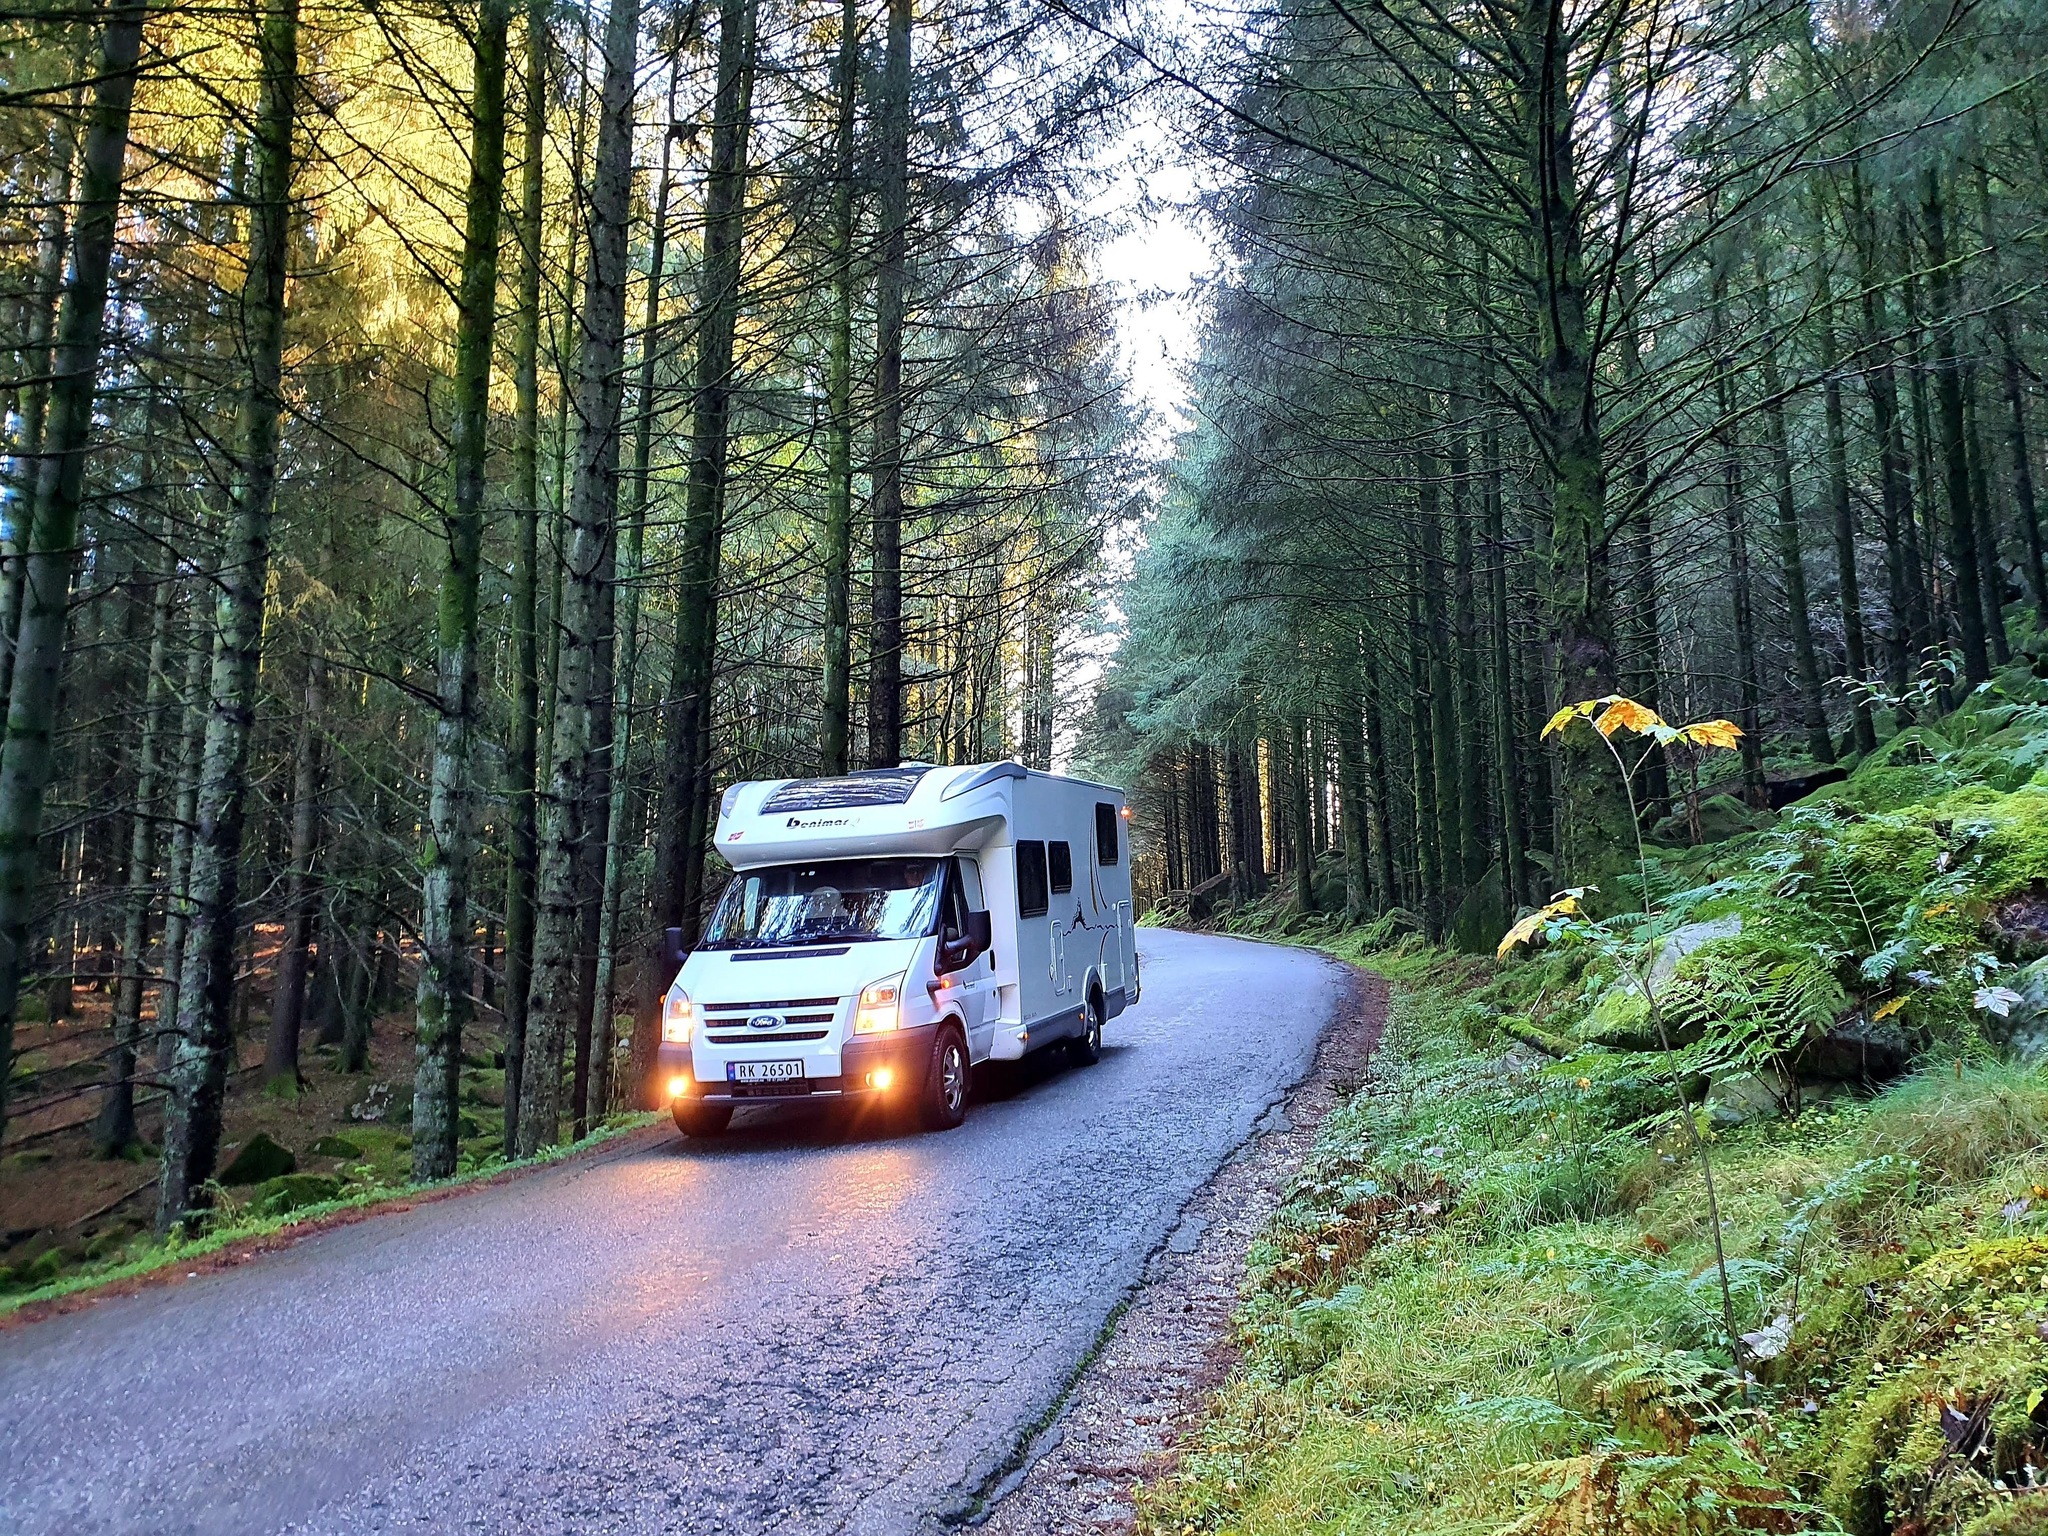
x=1611, y=716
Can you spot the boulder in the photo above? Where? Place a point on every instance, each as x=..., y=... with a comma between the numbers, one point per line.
x=1737, y=1098
x=260, y=1159
x=1858, y=1050
x=2020, y=923
x=292, y=1192
x=337, y=1146
x=1680, y=942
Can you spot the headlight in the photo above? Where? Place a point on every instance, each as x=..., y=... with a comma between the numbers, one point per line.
x=878, y=1012
x=678, y=1017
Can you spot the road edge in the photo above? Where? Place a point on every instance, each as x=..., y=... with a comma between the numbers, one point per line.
x=174, y=1268
x=1167, y=1345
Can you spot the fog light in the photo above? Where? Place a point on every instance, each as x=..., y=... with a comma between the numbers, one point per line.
x=881, y=1077
x=678, y=1086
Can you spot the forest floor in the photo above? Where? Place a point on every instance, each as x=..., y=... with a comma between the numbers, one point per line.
x=67, y=1215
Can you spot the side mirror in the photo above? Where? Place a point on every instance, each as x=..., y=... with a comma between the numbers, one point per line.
x=961, y=950
x=672, y=938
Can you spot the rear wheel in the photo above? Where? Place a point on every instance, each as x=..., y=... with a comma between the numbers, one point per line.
x=697, y=1119
x=1086, y=1049
x=942, y=1101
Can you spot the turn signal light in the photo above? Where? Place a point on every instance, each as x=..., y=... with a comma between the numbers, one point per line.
x=881, y=1077
x=678, y=1086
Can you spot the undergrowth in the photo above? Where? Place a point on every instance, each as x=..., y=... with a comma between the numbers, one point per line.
x=1491, y=1301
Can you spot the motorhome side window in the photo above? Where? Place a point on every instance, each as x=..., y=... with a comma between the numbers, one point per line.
x=1105, y=832
x=1059, y=858
x=1032, y=900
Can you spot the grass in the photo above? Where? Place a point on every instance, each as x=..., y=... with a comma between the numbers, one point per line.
x=145, y=1256
x=1489, y=1303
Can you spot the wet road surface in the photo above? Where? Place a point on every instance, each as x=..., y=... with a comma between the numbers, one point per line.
x=811, y=1326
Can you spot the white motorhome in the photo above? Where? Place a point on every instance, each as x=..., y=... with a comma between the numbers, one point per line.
x=885, y=931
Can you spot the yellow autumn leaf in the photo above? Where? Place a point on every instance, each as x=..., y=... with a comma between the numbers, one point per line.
x=1564, y=906
x=1940, y=907
x=1583, y=710
x=1886, y=1010
x=1713, y=733
x=1627, y=715
x=1521, y=933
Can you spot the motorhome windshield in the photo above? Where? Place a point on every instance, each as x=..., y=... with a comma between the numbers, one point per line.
x=846, y=899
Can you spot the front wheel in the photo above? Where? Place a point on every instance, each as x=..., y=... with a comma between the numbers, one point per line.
x=942, y=1104
x=1087, y=1049
x=697, y=1119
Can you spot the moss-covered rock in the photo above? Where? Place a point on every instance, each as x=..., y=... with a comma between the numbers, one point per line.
x=337, y=1146
x=293, y=1192
x=259, y=1160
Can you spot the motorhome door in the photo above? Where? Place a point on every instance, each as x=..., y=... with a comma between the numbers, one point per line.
x=976, y=984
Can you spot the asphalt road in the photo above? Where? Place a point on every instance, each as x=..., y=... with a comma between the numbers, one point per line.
x=811, y=1326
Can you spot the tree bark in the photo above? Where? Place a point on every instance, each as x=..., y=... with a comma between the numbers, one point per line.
x=178, y=886
x=199, y=1071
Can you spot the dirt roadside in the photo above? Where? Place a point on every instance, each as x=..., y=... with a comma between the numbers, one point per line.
x=1125, y=1416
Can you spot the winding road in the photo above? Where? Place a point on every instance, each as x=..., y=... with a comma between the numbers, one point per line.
x=810, y=1326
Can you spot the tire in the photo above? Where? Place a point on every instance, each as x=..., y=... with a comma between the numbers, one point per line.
x=1086, y=1049
x=699, y=1120
x=942, y=1097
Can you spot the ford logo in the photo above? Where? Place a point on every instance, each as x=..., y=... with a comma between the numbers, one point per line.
x=765, y=1021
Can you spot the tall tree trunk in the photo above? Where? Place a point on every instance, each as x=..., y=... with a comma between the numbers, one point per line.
x=1735, y=518
x=686, y=777
x=1948, y=385
x=628, y=621
x=1813, y=713
x=2023, y=468
x=54, y=521
x=114, y=1131
x=1848, y=581
x=1990, y=574
x=1507, y=768
x=1907, y=596
x=885, y=650
x=46, y=294
x=593, y=513
x=288, y=1006
x=199, y=1072
x=1300, y=777
x=836, y=723
x=521, y=759
x=443, y=1004
x=1470, y=711
x=1592, y=810
x=177, y=882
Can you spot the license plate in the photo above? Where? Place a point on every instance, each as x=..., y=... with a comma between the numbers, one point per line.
x=764, y=1071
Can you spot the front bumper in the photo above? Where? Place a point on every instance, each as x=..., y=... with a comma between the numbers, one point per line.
x=905, y=1053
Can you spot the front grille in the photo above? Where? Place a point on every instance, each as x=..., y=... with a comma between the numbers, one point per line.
x=799, y=1002
x=766, y=1037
